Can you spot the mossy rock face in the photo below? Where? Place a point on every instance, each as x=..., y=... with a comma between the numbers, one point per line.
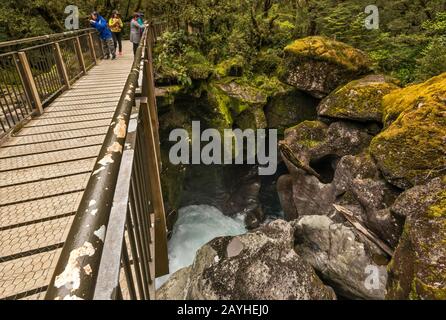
x=251, y=119
x=290, y=107
x=411, y=150
x=165, y=97
x=431, y=92
x=243, y=96
x=359, y=100
x=318, y=65
x=233, y=67
x=418, y=267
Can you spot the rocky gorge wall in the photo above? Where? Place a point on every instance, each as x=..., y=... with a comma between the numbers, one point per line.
x=362, y=182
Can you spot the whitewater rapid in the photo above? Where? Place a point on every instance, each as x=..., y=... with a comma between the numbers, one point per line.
x=196, y=226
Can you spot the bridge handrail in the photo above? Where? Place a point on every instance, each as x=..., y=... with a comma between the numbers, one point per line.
x=32, y=76
x=121, y=204
x=52, y=36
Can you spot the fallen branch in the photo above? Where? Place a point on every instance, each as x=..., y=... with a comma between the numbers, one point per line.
x=347, y=214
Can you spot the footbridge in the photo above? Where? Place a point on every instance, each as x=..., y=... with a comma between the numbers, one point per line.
x=81, y=207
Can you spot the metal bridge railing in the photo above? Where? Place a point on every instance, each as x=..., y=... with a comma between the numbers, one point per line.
x=31, y=76
x=117, y=243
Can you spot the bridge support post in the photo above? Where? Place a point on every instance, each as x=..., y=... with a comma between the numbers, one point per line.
x=80, y=56
x=29, y=83
x=150, y=123
x=160, y=238
x=61, y=67
x=91, y=45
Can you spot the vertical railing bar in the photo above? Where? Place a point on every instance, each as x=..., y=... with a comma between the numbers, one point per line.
x=4, y=79
x=41, y=78
x=147, y=198
x=141, y=225
x=119, y=293
x=22, y=81
x=17, y=80
x=138, y=240
x=56, y=79
x=128, y=271
x=6, y=114
x=145, y=191
x=143, y=221
x=59, y=82
x=11, y=113
x=15, y=95
x=138, y=273
x=47, y=75
x=43, y=74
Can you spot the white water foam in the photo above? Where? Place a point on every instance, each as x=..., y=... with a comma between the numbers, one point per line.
x=196, y=226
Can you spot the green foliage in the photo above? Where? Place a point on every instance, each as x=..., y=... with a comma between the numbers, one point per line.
x=433, y=59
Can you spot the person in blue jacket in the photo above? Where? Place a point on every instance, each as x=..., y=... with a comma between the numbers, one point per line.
x=100, y=24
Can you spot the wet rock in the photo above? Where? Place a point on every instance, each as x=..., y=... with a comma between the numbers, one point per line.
x=285, y=191
x=318, y=65
x=260, y=265
x=359, y=100
x=411, y=150
x=321, y=145
x=290, y=107
x=418, y=267
x=353, y=266
x=175, y=288
x=359, y=177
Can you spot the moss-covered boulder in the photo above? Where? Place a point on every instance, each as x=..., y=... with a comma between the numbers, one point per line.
x=431, y=92
x=418, y=268
x=289, y=107
x=359, y=100
x=412, y=149
x=319, y=65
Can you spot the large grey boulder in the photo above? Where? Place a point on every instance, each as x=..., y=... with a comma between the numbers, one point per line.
x=418, y=267
x=352, y=265
x=260, y=265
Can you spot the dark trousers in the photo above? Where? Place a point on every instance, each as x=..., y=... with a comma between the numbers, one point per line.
x=117, y=39
x=135, y=47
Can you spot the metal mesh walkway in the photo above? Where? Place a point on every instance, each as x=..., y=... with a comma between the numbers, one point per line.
x=44, y=169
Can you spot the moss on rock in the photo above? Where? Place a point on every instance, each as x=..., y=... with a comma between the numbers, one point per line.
x=418, y=267
x=411, y=150
x=290, y=107
x=318, y=65
x=431, y=92
x=359, y=100
x=232, y=67
x=325, y=49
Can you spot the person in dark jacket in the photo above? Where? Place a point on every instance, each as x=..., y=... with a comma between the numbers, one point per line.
x=99, y=23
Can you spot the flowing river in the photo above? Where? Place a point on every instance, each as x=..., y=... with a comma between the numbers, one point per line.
x=196, y=226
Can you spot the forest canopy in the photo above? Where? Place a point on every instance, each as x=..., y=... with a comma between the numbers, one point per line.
x=409, y=43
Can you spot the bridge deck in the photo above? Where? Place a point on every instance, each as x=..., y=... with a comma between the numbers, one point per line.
x=44, y=169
